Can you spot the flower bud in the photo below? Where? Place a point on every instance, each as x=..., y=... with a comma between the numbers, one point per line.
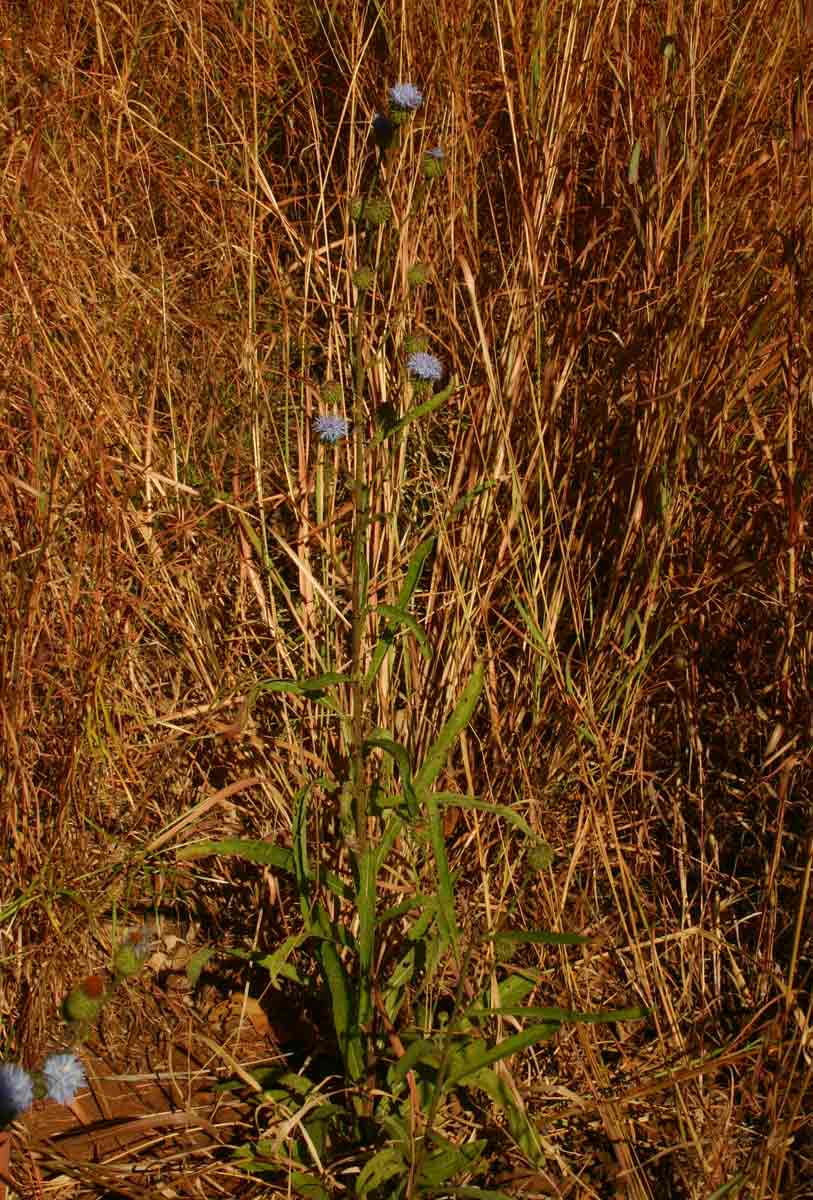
x=540, y=856
x=433, y=163
x=332, y=393
x=128, y=958
x=84, y=1002
x=378, y=211
x=364, y=278
x=415, y=343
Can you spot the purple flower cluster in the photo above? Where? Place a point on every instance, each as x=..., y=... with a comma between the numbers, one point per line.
x=62, y=1077
x=331, y=428
x=425, y=367
x=406, y=96
x=16, y=1092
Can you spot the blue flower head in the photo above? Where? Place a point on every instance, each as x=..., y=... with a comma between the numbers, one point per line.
x=64, y=1075
x=436, y=153
x=425, y=366
x=331, y=428
x=16, y=1091
x=406, y=96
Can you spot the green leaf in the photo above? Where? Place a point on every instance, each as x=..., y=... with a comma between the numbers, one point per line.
x=414, y=414
x=634, y=164
x=477, y=1055
x=266, y=854
x=421, y=1050
x=564, y=1015
x=427, y=905
x=302, y=687
x=464, y=501
x=472, y=1193
x=392, y=831
x=299, y=834
x=425, y=778
x=341, y=995
x=404, y=596
x=319, y=1121
x=399, y=616
x=403, y=973
x=533, y=937
x=268, y=962
x=457, y=722
x=441, y=1165
x=308, y=1186
x=246, y=1160
x=313, y=689
x=383, y=741
x=414, y=571
x=277, y=964
x=511, y=990
x=499, y=810
x=384, y=1165
x=498, y=1089
x=197, y=962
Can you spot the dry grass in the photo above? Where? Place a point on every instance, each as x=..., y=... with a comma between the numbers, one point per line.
x=619, y=278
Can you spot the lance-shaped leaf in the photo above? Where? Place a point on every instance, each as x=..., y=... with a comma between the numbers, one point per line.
x=264, y=853
x=398, y=616
x=414, y=414
x=382, y=740
x=423, y=781
x=404, y=596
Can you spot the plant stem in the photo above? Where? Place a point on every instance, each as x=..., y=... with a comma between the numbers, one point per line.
x=360, y=570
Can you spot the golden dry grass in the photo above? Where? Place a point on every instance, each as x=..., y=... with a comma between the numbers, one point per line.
x=619, y=278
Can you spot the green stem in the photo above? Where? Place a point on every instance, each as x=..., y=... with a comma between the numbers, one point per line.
x=360, y=570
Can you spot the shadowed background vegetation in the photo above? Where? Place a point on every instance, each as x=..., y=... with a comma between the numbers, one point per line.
x=618, y=275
